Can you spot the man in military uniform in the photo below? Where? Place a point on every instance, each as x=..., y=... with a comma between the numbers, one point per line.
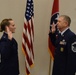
x=65, y=47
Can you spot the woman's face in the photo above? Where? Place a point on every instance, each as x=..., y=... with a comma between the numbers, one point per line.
x=12, y=26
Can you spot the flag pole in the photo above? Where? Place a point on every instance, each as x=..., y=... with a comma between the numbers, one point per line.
x=50, y=67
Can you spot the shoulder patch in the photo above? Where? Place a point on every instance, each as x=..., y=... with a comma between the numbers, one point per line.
x=74, y=46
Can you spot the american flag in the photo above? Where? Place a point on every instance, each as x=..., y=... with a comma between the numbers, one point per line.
x=28, y=36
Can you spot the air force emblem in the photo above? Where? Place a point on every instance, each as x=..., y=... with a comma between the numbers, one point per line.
x=74, y=47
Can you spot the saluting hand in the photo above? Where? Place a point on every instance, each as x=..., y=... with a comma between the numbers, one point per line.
x=9, y=33
x=53, y=28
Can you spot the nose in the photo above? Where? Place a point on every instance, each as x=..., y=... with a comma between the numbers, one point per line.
x=15, y=27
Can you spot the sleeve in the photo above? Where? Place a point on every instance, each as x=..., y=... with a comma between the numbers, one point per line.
x=71, y=58
x=5, y=48
x=52, y=38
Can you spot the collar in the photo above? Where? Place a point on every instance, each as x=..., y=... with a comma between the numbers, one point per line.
x=63, y=31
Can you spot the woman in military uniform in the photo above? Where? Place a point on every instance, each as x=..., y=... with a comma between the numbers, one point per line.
x=8, y=49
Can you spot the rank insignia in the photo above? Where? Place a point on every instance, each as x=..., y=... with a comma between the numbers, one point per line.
x=75, y=73
x=74, y=47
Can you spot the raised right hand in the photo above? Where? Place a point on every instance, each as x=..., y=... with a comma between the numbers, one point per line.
x=53, y=28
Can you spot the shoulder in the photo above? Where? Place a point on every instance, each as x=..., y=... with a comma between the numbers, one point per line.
x=72, y=35
x=4, y=36
x=69, y=34
x=73, y=41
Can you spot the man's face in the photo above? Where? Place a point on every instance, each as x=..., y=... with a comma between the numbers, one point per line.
x=12, y=26
x=61, y=23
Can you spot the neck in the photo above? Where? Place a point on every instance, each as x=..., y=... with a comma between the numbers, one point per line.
x=62, y=29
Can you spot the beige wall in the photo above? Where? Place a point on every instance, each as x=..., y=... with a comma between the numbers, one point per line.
x=15, y=9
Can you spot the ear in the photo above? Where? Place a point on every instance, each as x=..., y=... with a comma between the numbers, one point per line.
x=66, y=23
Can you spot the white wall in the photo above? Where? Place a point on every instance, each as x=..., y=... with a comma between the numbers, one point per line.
x=15, y=9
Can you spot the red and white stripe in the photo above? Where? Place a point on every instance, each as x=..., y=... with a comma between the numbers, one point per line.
x=27, y=43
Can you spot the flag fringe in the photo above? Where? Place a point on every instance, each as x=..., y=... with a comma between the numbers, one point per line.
x=51, y=54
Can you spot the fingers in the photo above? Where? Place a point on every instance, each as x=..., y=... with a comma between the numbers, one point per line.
x=53, y=25
x=7, y=29
x=9, y=33
x=53, y=28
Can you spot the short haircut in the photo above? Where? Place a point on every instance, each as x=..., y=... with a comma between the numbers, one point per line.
x=67, y=18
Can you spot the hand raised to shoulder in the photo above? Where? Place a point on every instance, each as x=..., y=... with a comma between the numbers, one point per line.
x=53, y=28
x=9, y=33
